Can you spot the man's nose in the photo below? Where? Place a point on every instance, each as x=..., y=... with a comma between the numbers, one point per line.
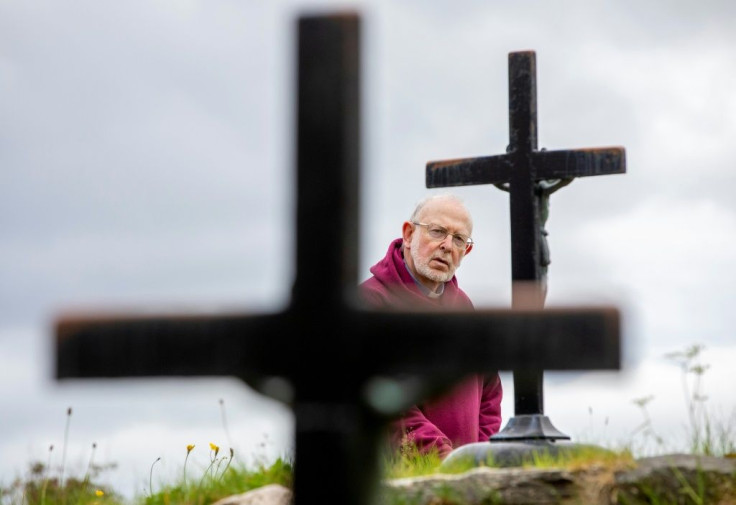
x=445, y=243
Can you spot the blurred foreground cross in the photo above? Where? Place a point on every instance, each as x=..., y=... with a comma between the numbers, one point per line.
x=342, y=362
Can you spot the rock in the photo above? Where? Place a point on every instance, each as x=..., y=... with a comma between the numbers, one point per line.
x=673, y=479
x=678, y=478
x=482, y=486
x=670, y=479
x=272, y=494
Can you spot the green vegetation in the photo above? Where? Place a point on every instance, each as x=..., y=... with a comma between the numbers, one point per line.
x=584, y=457
x=409, y=462
x=42, y=488
x=39, y=489
x=707, y=433
x=45, y=484
x=214, y=486
x=574, y=458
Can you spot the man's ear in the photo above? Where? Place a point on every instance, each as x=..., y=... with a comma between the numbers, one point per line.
x=470, y=248
x=407, y=230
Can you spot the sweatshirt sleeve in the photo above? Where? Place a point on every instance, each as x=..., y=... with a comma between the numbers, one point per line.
x=489, y=421
x=413, y=429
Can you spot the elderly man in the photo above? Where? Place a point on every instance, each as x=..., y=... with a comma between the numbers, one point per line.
x=418, y=271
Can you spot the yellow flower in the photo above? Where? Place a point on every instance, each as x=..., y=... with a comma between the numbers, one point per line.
x=99, y=493
x=214, y=448
x=189, y=448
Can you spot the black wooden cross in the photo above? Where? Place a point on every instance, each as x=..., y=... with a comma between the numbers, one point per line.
x=342, y=361
x=530, y=176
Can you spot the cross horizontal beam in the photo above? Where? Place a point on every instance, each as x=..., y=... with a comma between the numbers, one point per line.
x=211, y=345
x=543, y=165
x=498, y=339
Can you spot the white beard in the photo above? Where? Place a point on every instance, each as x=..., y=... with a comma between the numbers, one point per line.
x=425, y=270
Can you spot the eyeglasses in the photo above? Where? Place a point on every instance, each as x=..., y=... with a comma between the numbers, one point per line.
x=437, y=232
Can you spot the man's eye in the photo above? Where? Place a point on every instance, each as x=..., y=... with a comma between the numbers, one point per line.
x=438, y=232
x=459, y=240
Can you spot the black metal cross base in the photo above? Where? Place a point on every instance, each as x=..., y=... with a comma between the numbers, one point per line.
x=524, y=438
x=530, y=176
x=529, y=427
x=529, y=423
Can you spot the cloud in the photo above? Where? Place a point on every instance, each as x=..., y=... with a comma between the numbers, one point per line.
x=678, y=256
x=146, y=153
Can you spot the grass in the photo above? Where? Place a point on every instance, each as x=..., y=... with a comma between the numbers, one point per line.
x=47, y=484
x=213, y=486
x=706, y=433
x=39, y=487
x=585, y=457
x=221, y=478
x=416, y=464
x=409, y=463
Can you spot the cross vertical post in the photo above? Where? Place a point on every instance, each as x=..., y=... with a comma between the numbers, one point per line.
x=330, y=422
x=527, y=290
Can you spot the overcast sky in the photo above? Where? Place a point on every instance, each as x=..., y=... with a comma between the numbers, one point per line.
x=145, y=162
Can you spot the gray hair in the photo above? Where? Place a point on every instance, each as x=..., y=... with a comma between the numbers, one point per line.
x=442, y=196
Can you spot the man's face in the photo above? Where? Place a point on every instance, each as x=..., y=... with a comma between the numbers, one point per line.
x=431, y=260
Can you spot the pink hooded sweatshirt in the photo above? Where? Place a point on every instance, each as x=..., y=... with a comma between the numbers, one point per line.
x=471, y=412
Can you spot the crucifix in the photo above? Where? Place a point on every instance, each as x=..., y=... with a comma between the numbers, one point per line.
x=530, y=176
x=341, y=360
